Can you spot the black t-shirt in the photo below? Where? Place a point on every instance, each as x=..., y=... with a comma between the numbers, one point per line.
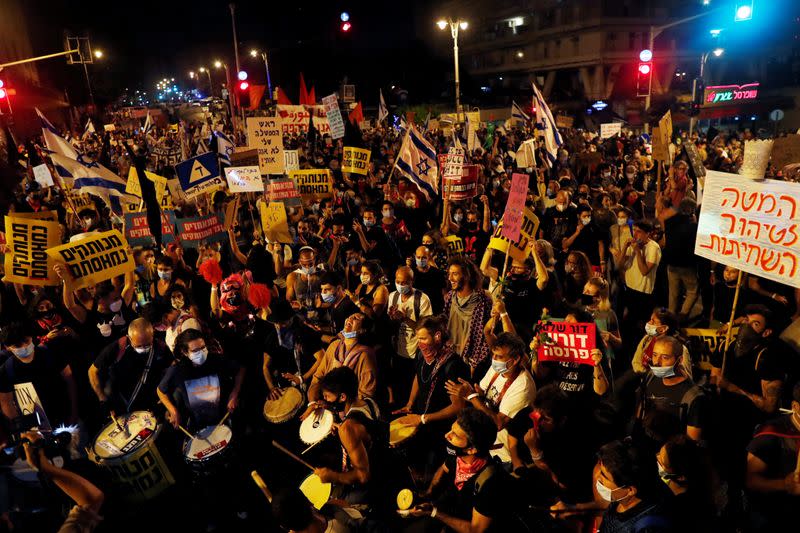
x=723, y=301
x=475, y=243
x=680, y=233
x=43, y=375
x=587, y=240
x=432, y=283
x=672, y=398
x=296, y=342
x=493, y=498
x=776, y=443
x=453, y=369
x=525, y=302
x=335, y=315
x=556, y=225
x=103, y=327
x=573, y=378
x=748, y=370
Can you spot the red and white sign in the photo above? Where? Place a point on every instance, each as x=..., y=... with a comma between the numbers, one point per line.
x=512, y=217
x=464, y=187
x=567, y=343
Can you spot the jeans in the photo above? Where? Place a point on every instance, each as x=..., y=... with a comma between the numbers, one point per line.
x=683, y=279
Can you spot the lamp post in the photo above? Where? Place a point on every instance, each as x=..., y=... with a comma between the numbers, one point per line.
x=716, y=52
x=455, y=26
x=220, y=64
x=254, y=53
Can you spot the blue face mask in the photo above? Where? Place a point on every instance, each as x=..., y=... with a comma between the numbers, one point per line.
x=328, y=297
x=403, y=289
x=352, y=262
x=422, y=263
x=369, y=223
x=164, y=276
x=25, y=352
x=501, y=367
x=663, y=371
x=349, y=334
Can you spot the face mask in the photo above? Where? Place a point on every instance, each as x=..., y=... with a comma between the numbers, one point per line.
x=177, y=303
x=387, y=213
x=587, y=299
x=663, y=371
x=115, y=306
x=349, y=334
x=455, y=451
x=403, y=289
x=308, y=270
x=25, y=352
x=198, y=357
x=143, y=349
x=585, y=221
x=561, y=207
x=165, y=275
x=369, y=223
x=605, y=492
x=411, y=203
x=105, y=329
x=352, y=262
x=458, y=217
x=422, y=263
x=746, y=340
x=622, y=222
x=651, y=329
x=549, y=191
x=606, y=174
x=328, y=297
x=47, y=314
x=365, y=279
x=501, y=367
x=87, y=222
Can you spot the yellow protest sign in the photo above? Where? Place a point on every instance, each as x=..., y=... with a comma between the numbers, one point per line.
x=26, y=260
x=313, y=184
x=519, y=248
x=132, y=187
x=455, y=245
x=355, y=160
x=81, y=201
x=273, y=220
x=39, y=215
x=95, y=258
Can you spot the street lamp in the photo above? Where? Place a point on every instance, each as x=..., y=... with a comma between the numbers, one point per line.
x=98, y=54
x=455, y=25
x=254, y=53
x=717, y=52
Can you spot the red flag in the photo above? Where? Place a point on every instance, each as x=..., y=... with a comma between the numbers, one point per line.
x=303, y=91
x=256, y=93
x=357, y=114
x=282, y=98
x=312, y=98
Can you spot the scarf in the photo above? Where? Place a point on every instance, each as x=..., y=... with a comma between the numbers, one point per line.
x=444, y=356
x=465, y=471
x=476, y=350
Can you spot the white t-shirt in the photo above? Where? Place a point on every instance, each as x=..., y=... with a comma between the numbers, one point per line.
x=175, y=330
x=633, y=276
x=406, y=344
x=519, y=395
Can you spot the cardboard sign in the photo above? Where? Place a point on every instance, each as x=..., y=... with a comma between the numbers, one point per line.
x=526, y=157
x=334, y=114
x=703, y=342
x=563, y=121
x=282, y=190
x=42, y=176
x=291, y=160
x=660, y=150
x=266, y=135
x=195, y=231
x=244, y=179
x=95, y=258
x=519, y=247
x=137, y=232
x=463, y=188
x=786, y=151
x=39, y=215
x=751, y=225
x=199, y=175
x=455, y=245
x=512, y=216
x=313, y=184
x=453, y=168
x=567, y=343
x=133, y=186
x=26, y=259
x=109, y=127
x=29, y=404
x=610, y=129
x=274, y=222
x=355, y=160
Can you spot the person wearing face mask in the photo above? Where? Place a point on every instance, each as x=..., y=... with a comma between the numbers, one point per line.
x=125, y=374
x=684, y=468
x=31, y=370
x=663, y=322
x=428, y=278
x=475, y=232
x=371, y=296
x=620, y=233
x=173, y=321
x=374, y=242
x=773, y=486
x=165, y=270
x=505, y=389
x=587, y=238
x=333, y=307
x=558, y=222
x=302, y=285
x=666, y=388
x=201, y=386
x=395, y=229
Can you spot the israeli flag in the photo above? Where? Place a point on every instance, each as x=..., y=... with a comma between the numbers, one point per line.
x=517, y=113
x=224, y=148
x=417, y=161
x=547, y=125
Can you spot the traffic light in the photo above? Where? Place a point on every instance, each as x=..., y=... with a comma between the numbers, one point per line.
x=3, y=92
x=243, y=94
x=345, y=27
x=744, y=10
x=644, y=77
x=698, y=89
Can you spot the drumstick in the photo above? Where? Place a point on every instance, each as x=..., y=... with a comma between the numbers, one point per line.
x=309, y=448
x=261, y=485
x=293, y=456
x=224, y=418
x=185, y=431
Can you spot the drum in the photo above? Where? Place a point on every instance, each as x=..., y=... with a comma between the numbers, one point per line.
x=400, y=434
x=209, y=452
x=129, y=451
x=317, y=426
x=317, y=492
x=284, y=408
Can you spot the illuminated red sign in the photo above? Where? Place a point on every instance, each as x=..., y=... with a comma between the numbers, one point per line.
x=723, y=94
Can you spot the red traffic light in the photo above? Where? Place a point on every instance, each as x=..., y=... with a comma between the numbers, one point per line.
x=346, y=26
x=644, y=68
x=243, y=86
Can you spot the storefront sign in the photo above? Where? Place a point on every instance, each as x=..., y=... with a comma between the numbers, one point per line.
x=724, y=94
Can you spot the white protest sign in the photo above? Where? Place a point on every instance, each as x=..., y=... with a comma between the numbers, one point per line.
x=525, y=155
x=244, y=179
x=265, y=134
x=454, y=164
x=291, y=161
x=109, y=127
x=42, y=176
x=334, y=115
x=610, y=129
x=751, y=225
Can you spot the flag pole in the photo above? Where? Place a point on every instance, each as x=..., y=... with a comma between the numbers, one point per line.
x=730, y=323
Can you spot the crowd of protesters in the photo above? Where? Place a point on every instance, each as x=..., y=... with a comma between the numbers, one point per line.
x=371, y=315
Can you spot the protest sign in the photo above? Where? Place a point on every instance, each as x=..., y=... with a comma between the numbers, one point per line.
x=137, y=231
x=441, y=161
x=282, y=190
x=512, y=216
x=294, y=119
x=265, y=135
x=455, y=245
x=756, y=158
x=133, y=186
x=433, y=125
x=274, y=222
x=199, y=174
x=659, y=149
x=109, y=127
x=42, y=176
x=703, y=342
x=563, y=121
x=39, y=215
x=30, y=405
x=665, y=128
x=694, y=159
x=244, y=179
x=334, y=115
x=519, y=247
x=313, y=184
x=567, y=343
x=610, y=129
x=472, y=116
x=94, y=258
x=195, y=231
x=463, y=188
x=291, y=160
x=355, y=160
x=231, y=213
x=26, y=259
x=525, y=156
x=453, y=164
x=751, y=225
x=786, y=151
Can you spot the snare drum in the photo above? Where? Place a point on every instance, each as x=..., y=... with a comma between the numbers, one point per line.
x=400, y=434
x=284, y=408
x=317, y=426
x=209, y=452
x=129, y=451
x=317, y=492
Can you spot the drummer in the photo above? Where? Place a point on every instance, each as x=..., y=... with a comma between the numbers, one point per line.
x=194, y=389
x=362, y=435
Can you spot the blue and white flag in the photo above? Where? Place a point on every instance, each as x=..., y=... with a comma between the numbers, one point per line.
x=417, y=161
x=383, y=111
x=547, y=125
x=80, y=170
x=427, y=121
x=224, y=147
x=148, y=124
x=517, y=113
x=89, y=128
